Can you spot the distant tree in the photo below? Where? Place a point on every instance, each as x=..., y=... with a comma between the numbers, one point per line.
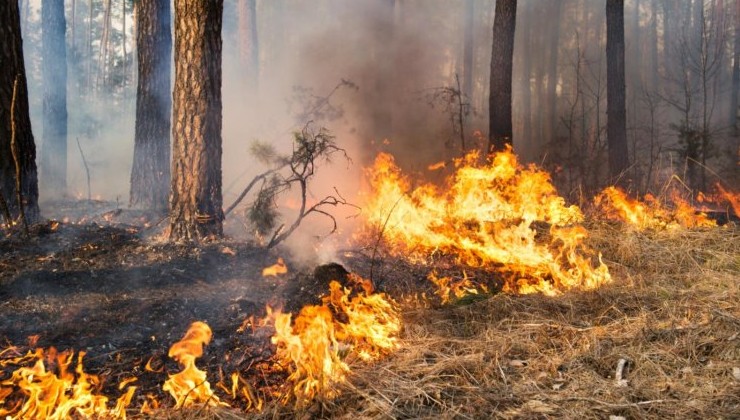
x=468, y=24
x=735, y=72
x=15, y=131
x=616, y=125
x=248, y=43
x=196, y=199
x=150, y=174
x=502, y=54
x=54, y=76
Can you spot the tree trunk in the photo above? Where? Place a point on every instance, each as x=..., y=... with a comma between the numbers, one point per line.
x=735, y=72
x=12, y=69
x=248, y=44
x=502, y=54
x=150, y=174
x=654, y=64
x=54, y=73
x=468, y=24
x=526, y=74
x=552, y=71
x=616, y=129
x=196, y=199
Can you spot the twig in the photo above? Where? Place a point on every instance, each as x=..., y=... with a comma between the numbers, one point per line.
x=380, y=237
x=87, y=170
x=16, y=158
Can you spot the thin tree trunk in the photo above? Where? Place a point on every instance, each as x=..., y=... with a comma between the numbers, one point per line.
x=616, y=130
x=552, y=70
x=12, y=71
x=150, y=173
x=123, y=42
x=526, y=75
x=468, y=49
x=196, y=198
x=654, y=64
x=54, y=73
x=502, y=52
x=248, y=43
x=735, y=72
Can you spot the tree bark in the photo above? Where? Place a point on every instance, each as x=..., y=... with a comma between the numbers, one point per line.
x=150, y=174
x=54, y=73
x=12, y=68
x=616, y=128
x=248, y=44
x=502, y=54
x=196, y=198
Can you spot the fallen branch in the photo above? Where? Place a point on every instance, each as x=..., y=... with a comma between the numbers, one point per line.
x=249, y=187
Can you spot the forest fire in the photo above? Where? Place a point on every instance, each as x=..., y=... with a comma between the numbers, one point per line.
x=190, y=386
x=315, y=350
x=488, y=215
x=60, y=395
x=650, y=213
x=367, y=324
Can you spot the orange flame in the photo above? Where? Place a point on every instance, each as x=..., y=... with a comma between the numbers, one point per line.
x=732, y=198
x=275, y=269
x=189, y=386
x=59, y=395
x=650, y=214
x=486, y=216
x=314, y=345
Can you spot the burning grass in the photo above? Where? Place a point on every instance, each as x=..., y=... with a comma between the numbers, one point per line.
x=672, y=316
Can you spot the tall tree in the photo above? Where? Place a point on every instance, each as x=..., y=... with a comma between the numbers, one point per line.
x=552, y=69
x=54, y=73
x=735, y=71
x=616, y=125
x=196, y=199
x=468, y=24
x=502, y=54
x=248, y=43
x=15, y=122
x=150, y=174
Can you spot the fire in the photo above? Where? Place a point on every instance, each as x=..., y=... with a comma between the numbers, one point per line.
x=650, y=214
x=61, y=395
x=732, y=198
x=189, y=386
x=489, y=216
x=275, y=269
x=315, y=344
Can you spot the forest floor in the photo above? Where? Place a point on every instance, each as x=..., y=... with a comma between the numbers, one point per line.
x=101, y=283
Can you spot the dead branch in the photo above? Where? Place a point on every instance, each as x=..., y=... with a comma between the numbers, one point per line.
x=16, y=158
x=262, y=176
x=87, y=170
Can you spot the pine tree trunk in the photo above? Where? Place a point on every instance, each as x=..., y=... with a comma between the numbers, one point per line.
x=150, y=174
x=196, y=199
x=616, y=128
x=502, y=54
x=54, y=73
x=248, y=43
x=12, y=69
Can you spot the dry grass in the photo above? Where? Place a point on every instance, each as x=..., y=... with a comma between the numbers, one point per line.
x=672, y=313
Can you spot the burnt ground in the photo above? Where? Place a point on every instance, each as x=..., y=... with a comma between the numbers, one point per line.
x=99, y=279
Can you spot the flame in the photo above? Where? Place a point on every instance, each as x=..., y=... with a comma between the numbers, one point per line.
x=189, y=386
x=437, y=166
x=732, y=198
x=650, y=214
x=457, y=287
x=275, y=269
x=486, y=216
x=314, y=344
x=60, y=395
